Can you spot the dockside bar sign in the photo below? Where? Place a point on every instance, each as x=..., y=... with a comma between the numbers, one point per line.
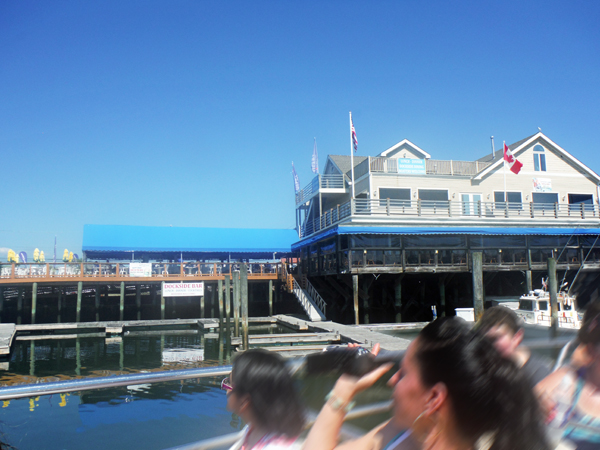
x=410, y=166
x=183, y=289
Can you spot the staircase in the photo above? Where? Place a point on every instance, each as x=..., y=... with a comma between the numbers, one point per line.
x=307, y=295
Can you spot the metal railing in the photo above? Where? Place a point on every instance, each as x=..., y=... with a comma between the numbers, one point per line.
x=379, y=164
x=320, y=182
x=312, y=292
x=122, y=270
x=311, y=308
x=467, y=212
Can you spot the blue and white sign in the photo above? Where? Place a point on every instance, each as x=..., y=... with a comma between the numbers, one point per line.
x=410, y=166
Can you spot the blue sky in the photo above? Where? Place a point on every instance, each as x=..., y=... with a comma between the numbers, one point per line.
x=189, y=113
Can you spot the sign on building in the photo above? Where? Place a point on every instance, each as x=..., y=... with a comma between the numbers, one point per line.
x=411, y=166
x=140, y=269
x=542, y=185
x=183, y=289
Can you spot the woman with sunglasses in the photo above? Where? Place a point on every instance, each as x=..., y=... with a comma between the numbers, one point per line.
x=261, y=391
x=571, y=395
x=453, y=391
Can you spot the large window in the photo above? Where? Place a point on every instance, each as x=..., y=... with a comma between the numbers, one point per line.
x=434, y=198
x=394, y=194
x=578, y=202
x=471, y=204
x=539, y=158
x=545, y=197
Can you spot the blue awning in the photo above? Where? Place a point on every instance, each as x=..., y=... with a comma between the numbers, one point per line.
x=486, y=231
x=110, y=238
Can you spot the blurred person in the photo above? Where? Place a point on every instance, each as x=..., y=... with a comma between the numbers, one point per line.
x=504, y=328
x=453, y=391
x=571, y=394
x=261, y=391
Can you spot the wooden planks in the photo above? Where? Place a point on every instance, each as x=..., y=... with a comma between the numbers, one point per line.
x=7, y=334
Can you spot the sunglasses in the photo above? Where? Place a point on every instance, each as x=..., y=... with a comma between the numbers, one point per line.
x=226, y=384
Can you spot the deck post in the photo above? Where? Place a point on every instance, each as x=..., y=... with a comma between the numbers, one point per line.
x=227, y=310
x=202, y=306
x=528, y=281
x=78, y=312
x=97, y=303
x=1, y=302
x=236, y=304
x=220, y=296
x=138, y=301
x=122, y=301
x=477, y=284
x=244, y=298
x=33, y=301
x=553, y=289
x=19, y=305
x=59, y=306
x=270, y=298
x=162, y=300
x=355, y=293
x=442, y=286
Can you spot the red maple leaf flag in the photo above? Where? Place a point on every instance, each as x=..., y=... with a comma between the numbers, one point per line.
x=513, y=163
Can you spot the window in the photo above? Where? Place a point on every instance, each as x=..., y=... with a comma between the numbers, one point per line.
x=394, y=195
x=433, y=198
x=579, y=202
x=514, y=200
x=545, y=197
x=539, y=159
x=470, y=204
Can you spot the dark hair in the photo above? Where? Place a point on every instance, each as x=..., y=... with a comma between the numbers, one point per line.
x=496, y=316
x=487, y=392
x=589, y=333
x=264, y=376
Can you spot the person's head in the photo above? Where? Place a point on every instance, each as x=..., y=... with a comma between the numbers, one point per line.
x=503, y=327
x=263, y=391
x=454, y=380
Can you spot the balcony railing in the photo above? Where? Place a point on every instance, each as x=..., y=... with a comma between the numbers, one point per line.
x=378, y=164
x=468, y=212
x=320, y=182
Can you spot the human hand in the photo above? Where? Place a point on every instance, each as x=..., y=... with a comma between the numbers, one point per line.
x=347, y=386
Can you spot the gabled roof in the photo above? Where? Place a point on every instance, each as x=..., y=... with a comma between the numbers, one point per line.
x=405, y=142
x=342, y=162
x=518, y=147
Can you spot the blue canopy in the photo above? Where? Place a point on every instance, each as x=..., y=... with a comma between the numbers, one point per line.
x=100, y=239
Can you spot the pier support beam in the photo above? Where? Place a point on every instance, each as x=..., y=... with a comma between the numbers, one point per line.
x=270, y=298
x=19, y=305
x=33, y=301
x=236, y=304
x=244, y=301
x=528, y=281
x=553, y=290
x=220, y=296
x=227, y=311
x=138, y=301
x=162, y=300
x=477, y=284
x=202, y=305
x=442, y=286
x=79, y=291
x=59, y=303
x=355, y=294
x=121, y=301
x=398, y=298
x=1, y=302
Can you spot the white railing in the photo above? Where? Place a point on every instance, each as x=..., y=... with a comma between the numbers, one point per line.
x=379, y=164
x=320, y=182
x=467, y=212
x=312, y=292
x=313, y=311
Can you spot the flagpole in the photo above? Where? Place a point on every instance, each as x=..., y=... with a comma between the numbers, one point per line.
x=351, y=155
x=504, y=163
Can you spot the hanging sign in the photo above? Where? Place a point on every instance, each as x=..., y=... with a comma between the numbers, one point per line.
x=411, y=166
x=140, y=269
x=183, y=289
x=542, y=185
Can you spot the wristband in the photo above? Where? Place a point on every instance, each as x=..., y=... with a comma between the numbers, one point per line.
x=337, y=403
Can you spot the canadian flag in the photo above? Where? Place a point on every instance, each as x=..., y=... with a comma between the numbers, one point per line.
x=513, y=163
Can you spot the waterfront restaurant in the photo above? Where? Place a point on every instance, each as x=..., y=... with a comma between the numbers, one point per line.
x=421, y=232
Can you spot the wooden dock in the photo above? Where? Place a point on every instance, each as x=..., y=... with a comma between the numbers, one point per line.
x=7, y=334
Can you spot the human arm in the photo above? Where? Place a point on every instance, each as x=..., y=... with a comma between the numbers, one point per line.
x=325, y=432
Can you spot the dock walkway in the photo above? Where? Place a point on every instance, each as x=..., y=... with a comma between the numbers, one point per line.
x=7, y=334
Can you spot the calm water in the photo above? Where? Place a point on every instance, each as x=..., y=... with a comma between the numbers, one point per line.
x=153, y=416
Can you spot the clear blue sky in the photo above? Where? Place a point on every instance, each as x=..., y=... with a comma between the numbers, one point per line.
x=189, y=113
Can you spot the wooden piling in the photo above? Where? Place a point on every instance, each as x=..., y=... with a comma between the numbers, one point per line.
x=122, y=301
x=227, y=314
x=138, y=301
x=97, y=303
x=442, y=287
x=33, y=301
x=553, y=290
x=528, y=281
x=236, y=304
x=79, y=291
x=398, y=298
x=162, y=300
x=477, y=284
x=202, y=306
x=270, y=297
x=19, y=305
x=1, y=302
x=220, y=296
x=59, y=303
x=355, y=292
x=244, y=301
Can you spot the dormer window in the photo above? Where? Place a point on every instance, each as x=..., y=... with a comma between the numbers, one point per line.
x=539, y=159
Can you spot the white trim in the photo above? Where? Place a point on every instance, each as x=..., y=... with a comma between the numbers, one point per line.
x=559, y=149
x=400, y=144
